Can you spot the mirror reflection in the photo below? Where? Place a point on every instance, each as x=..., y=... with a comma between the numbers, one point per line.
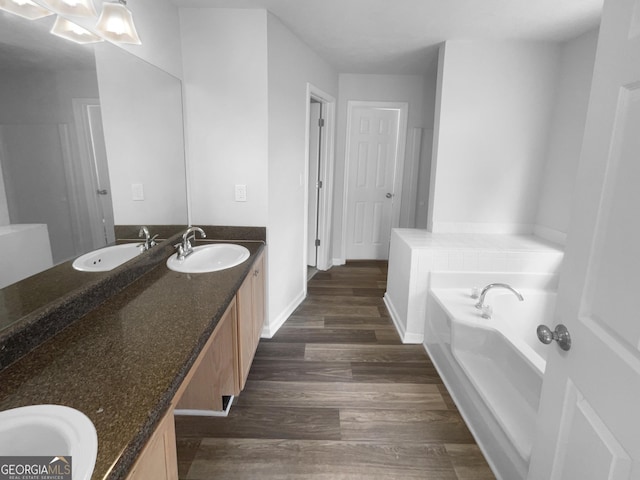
x=90, y=137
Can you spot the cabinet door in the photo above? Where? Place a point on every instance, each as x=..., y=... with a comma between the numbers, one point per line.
x=257, y=296
x=250, y=301
x=158, y=459
x=214, y=373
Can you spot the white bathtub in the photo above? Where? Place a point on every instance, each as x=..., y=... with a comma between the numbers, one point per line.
x=493, y=367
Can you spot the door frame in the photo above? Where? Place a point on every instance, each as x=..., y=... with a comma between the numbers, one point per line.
x=403, y=108
x=327, y=159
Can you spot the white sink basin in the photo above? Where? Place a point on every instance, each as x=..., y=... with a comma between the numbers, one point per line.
x=51, y=431
x=209, y=258
x=107, y=258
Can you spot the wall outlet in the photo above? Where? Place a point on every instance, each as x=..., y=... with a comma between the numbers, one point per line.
x=241, y=193
x=137, y=192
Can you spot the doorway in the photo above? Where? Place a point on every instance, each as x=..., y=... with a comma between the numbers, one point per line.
x=319, y=185
x=374, y=161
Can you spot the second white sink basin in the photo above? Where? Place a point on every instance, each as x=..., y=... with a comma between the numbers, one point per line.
x=51, y=430
x=209, y=258
x=107, y=258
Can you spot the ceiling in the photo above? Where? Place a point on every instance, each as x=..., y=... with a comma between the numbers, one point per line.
x=401, y=36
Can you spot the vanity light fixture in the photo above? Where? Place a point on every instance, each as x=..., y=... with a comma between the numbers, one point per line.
x=70, y=31
x=81, y=8
x=25, y=9
x=116, y=23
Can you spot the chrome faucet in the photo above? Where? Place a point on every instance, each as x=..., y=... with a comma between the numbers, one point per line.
x=149, y=241
x=480, y=303
x=184, y=248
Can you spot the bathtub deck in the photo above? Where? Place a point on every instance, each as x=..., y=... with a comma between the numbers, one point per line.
x=336, y=395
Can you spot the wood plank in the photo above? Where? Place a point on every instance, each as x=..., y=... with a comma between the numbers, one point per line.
x=361, y=323
x=299, y=371
x=364, y=353
x=390, y=372
x=367, y=396
x=320, y=460
x=264, y=422
x=404, y=426
x=270, y=349
x=326, y=335
x=343, y=300
x=337, y=310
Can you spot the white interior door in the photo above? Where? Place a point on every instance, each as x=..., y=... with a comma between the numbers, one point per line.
x=375, y=150
x=589, y=418
x=315, y=116
x=99, y=159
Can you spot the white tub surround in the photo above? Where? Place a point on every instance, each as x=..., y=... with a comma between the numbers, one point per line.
x=492, y=367
x=414, y=254
x=31, y=252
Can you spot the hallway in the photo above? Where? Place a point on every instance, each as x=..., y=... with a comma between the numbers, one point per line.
x=335, y=395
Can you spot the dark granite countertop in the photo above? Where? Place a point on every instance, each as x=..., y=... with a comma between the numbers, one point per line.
x=122, y=363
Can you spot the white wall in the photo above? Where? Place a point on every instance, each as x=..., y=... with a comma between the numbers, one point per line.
x=225, y=83
x=493, y=109
x=424, y=170
x=567, y=128
x=383, y=88
x=291, y=66
x=245, y=80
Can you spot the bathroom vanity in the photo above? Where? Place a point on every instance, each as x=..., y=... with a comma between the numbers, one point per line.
x=166, y=341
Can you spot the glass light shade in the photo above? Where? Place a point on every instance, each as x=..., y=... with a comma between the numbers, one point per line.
x=25, y=9
x=82, y=8
x=69, y=30
x=116, y=24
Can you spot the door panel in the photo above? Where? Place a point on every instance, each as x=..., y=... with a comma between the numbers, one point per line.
x=588, y=419
x=590, y=448
x=373, y=156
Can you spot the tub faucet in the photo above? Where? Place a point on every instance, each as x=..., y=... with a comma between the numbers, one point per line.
x=184, y=248
x=149, y=241
x=480, y=303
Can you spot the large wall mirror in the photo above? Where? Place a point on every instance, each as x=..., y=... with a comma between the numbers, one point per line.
x=90, y=137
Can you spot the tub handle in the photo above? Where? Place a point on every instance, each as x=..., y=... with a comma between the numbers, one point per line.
x=560, y=335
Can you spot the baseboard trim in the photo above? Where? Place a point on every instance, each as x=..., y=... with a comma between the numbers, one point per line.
x=205, y=413
x=405, y=337
x=271, y=327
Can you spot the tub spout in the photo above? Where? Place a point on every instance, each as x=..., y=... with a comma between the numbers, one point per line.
x=497, y=285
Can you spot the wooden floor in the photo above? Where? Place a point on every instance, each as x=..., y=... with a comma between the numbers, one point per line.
x=335, y=395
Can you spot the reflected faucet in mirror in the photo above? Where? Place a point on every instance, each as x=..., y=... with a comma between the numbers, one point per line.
x=149, y=241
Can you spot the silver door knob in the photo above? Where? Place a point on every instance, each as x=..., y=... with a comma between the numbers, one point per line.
x=389, y=195
x=102, y=191
x=560, y=335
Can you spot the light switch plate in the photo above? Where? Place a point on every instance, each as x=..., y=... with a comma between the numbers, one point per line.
x=137, y=192
x=241, y=193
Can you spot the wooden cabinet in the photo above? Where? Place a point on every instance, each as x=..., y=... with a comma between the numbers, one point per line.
x=158, y=459
x=215, y=371
x=251, y=312
x=221, y=369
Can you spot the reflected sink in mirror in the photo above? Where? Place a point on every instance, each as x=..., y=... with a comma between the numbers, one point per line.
x=50, y=430
x=108, y=258
x=209, y=258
